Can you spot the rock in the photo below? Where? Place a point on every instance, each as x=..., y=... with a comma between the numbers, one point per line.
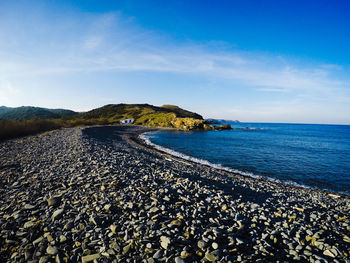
x=179, y=260
x=330, y=252
x=63, y=238
x=59, y=259
x=239, y=241
x=202, y=244
x=89, y=258
x=51, y=250
x=115, y=246
x=154, y=210
x=48, y=236
x=313, y=216
x=110, y=208
x=184, y=254
x=57, y=214
x=95, y=220
x=54, y=201
x=223, y=127
x=113, y=228
x=28, y=224
x=126, y=249
x=28, y=207
x=38, y=240
x=158, y=254
x=164, y=242
x=211, y=257
x=44, y=259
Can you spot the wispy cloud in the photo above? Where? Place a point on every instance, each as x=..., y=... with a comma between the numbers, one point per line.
x=112, y=43
x=106, y=44
x=7, y=91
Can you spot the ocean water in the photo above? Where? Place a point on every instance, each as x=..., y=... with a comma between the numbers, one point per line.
x=316, y=156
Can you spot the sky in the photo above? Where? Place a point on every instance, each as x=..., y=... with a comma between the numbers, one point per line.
x=255, y=61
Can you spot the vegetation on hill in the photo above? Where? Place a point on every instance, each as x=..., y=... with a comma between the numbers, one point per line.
x=12, y=129
x=28, y=113
x=167, y=116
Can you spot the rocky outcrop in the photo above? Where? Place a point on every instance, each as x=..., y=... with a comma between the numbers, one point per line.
x=207, y=127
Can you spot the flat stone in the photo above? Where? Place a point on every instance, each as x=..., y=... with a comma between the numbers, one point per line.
x=51, y=250
x=201, y=244
x=158, y=254
x=28, y=224
x=126, y=249
x=154, y=210
x=63, y=239
x=59, y=259
x=330, y=252
x=48, y=236
x=44, y=259
x=211, y=257
x=89, y=258
x=53, y=201
x=57, y=214
x=95, y=220
x=38, y=240
x=164, y=242
x=184, y=254
x=179, y=260
x=113, y=228
x=28, y=207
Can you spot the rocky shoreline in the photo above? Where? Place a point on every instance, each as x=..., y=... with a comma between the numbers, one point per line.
x=98, y=194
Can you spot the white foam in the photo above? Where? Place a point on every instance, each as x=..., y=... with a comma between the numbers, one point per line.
x=146, y=138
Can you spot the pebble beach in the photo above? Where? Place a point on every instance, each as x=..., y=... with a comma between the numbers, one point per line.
x=99, y=194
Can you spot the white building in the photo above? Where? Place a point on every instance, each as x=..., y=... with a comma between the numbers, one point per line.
x=127, y=121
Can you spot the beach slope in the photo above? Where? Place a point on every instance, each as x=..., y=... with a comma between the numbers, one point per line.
x=98, y=193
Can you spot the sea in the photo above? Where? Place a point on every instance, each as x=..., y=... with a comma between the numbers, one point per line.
x=306, y=155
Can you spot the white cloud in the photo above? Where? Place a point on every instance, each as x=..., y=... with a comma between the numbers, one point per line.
x=112, y=43
x=114, y=47
x=7, y=91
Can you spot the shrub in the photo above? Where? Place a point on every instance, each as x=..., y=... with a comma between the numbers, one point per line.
x=12, y=129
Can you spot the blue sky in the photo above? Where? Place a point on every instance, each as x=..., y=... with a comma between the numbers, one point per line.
x=268, y=61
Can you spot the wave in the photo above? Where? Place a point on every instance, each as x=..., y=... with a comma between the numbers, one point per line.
x=146, y=138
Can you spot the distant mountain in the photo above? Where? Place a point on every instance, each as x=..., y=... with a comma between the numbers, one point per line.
x=28, y=113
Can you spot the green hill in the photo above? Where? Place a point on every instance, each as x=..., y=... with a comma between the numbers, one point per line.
x=21, y=121
x=27, y=113
x=168, y=116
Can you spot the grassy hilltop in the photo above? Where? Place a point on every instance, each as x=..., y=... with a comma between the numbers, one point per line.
x=16, y=122
x=168, y=116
